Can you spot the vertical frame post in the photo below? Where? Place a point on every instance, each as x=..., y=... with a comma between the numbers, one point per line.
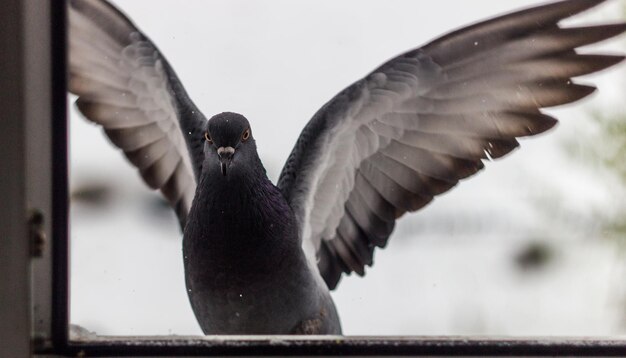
x=14, y=247
x=29, y=72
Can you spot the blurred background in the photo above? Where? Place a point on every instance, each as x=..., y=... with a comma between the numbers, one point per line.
x=534, y=245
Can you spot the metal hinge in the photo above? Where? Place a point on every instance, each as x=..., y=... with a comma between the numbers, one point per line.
x=36, y=233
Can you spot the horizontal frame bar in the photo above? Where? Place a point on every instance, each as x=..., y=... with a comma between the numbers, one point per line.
x=185, y=346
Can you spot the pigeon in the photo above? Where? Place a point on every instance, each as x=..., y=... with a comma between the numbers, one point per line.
x=262, y=258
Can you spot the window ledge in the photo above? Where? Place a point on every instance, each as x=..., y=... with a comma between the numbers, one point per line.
x=94, y=345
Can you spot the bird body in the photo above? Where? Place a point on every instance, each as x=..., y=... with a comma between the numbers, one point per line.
x=260, y=258
x=242, y=238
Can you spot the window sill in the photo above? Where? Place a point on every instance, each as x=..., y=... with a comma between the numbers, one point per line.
x=94, y=345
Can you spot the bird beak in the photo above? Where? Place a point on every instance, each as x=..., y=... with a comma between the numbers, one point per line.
x=226, y=156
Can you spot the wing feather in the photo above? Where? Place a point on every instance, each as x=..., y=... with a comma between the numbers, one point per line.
x=134, y=138
x=393, y=192
x=493, y=125
x=470, y=40
x=423, y=121
x=125, y=85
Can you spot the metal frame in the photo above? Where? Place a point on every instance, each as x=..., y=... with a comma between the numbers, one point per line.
x=335, y=346
x=35, y=297
x=60, y=190
x=26, y=165
x=14, y=290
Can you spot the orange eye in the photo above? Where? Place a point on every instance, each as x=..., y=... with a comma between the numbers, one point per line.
x=208, y=137
x=245, y=135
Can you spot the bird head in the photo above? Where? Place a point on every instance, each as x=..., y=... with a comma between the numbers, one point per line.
x=228, y=141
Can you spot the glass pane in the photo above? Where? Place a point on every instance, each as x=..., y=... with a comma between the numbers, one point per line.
x=533, y=246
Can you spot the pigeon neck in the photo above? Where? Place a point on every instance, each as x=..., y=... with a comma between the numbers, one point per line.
x=241, y=214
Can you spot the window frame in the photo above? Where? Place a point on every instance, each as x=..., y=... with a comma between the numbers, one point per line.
x=352, y=346
x=47, y=309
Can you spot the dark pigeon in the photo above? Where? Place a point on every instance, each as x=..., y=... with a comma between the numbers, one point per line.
x=260, y=258
x=244, y=265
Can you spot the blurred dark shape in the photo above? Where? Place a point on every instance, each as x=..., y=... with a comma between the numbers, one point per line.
x=93, y=194
x=535, y=256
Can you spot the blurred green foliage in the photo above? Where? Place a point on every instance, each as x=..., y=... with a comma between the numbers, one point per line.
x=603, y=150
x=611, y=148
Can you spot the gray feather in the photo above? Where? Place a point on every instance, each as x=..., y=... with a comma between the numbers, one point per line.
x=426, y=119
x=125, y=85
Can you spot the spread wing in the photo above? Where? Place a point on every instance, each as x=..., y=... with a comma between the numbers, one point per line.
x=418, y=124
x=125, y=85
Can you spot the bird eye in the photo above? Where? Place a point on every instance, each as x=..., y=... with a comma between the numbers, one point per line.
x=245, y=135
x=208, y=137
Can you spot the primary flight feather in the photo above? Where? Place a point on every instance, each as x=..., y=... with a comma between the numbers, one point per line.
x=260, y=258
